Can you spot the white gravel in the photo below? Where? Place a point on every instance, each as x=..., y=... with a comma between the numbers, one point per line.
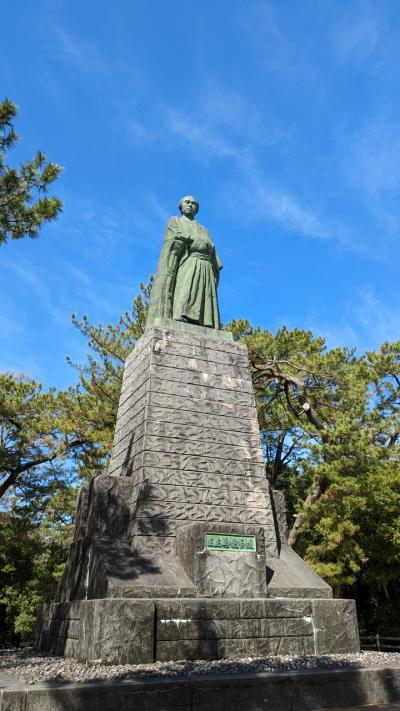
x=30, y=667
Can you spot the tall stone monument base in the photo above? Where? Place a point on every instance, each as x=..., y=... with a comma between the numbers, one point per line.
x=146, y=630
x=180, y=551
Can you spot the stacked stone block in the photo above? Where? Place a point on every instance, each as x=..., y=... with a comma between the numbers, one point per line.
x=141, y=584
x=144, y=631
x=187, y=436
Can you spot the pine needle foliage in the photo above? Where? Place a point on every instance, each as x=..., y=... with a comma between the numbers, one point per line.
x=330, y=428
x=93, y=407
x=24, y=203
x=330, y=433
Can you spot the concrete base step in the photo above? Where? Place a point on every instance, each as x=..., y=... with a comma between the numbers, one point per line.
x=369, y=689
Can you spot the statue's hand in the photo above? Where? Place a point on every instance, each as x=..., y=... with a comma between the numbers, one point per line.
x=178, y=243
x=180, y=236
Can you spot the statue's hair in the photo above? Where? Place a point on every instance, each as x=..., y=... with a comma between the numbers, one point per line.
x=193, y=198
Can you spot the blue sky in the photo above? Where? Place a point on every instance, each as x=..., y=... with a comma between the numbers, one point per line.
x=281, y=117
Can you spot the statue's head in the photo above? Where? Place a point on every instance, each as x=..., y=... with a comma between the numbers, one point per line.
x=189, y=206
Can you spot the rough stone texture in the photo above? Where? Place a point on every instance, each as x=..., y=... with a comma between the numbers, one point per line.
x=352, y=689
x=113, y=631
x=208, y=629
x=222, y=573
x=186, y=460
x=102, y=562
x=59, y=628
x=288, y=575
x=179, y=458
x=191, y=328
x=335, y=631
x=118, y=631
x=189, y=439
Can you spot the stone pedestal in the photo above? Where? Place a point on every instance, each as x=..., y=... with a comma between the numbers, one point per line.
x=183, y=541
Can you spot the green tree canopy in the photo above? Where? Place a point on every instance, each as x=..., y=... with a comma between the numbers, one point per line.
x=329, y=423
x=330, y=428
x=36, y=434
x=94, y=405
x=49, y=443
x=24, y=205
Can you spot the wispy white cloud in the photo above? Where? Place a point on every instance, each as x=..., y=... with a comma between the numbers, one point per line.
x=138, y=130
x=359, y=29
x=374, y=161
x=10, y=327
x=278, y=52
x=378, y=317
x=200, y=136
x=224, y=124
x=53, y=88
x=220, y=109
x=39, y=287
x=81, y=54
x=117, y=82
x=157, y=208
x=108, y=228
x=226, y=108
x=366, y=321
x=288, y=210
x=261, y=21
x=261, y=196
x=371, y=167
x=254, y=188
x=264, y=200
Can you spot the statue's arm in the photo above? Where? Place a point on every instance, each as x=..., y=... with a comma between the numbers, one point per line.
x=217, y=266
x=162, y=293
x=174, y=246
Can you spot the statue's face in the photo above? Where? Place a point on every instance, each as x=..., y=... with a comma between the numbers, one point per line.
x=189, y=206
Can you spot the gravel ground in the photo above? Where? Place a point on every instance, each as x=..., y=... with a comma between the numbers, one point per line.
x=30, y=667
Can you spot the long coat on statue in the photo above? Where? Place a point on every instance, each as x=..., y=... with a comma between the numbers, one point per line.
x=185, y=286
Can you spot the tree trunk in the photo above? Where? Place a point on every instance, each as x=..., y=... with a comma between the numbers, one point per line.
x=313, y=495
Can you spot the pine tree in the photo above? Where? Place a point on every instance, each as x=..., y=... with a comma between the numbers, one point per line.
x=93, y=406
x=36, y=435
x=329, y=422
x=330, y=430
x=24, y=205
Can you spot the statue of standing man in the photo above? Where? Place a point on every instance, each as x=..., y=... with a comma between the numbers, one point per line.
x=185, y=286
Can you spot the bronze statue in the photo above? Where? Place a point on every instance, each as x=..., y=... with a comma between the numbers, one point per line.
x=185, y=286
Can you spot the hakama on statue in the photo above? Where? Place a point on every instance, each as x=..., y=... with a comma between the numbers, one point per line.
x=185, y=286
